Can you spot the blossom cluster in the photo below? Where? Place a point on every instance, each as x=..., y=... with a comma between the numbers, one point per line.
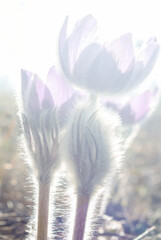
x=75, y=117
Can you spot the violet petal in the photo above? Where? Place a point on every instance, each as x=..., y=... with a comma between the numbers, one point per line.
x=123, y=52
x=59, y=89
x=33, y=105
x=102, y=73
x=26, y=82
x=63, y=49
x=140, y=104
x=82, y=30
x=84, y=61
x=63, y=35
x=44, y=95
x=148, y=52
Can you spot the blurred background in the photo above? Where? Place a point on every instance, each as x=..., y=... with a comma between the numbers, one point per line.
x=28, y=39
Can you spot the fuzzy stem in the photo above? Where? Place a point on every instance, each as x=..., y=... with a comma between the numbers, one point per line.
x=43, y=209
x=80, y=217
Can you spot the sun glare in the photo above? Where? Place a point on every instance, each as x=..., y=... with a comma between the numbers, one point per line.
x=30, y=29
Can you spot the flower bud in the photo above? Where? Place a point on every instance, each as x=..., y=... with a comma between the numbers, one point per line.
x=41, y=119
x=92, y=147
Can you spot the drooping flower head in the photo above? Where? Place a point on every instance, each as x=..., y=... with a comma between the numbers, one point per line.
x=109, y=68
x=41, y=102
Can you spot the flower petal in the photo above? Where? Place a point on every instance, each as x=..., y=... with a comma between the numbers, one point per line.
x=44, y=95
x=26, y=82
x=103, y=72
x=136, y=108
x=97, y=70
x=59, y=89
x=149, y=54
x=63, y=35
x=71, y=47
x=145, y=62
x=123, y=52
x=82, y=30
x=84, y=62
x=32, y=102
x=63, y=49
x=140, y=105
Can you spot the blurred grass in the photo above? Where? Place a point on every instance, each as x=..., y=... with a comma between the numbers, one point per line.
x=138, y=194
x=11, y=167
x=13, y=202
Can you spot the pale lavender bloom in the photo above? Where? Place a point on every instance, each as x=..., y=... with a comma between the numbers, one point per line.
x=137, y=108
x=40, y=116
x=38, y=95
x=109, y=68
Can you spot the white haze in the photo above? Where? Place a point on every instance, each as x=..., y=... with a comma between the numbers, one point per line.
x=29, y=29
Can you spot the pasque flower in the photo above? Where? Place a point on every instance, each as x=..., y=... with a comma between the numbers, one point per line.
x=41, y=119
x=137, y=108
x=93, y=150
x=41, y=105
x=90, y=146
x=109, y=68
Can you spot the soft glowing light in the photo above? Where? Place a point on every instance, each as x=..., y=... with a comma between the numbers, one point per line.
x=29, y=29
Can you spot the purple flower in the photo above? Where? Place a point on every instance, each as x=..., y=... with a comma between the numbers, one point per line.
x=41, y=119
x=111, y=68
x=137, y=108
x=39, y=96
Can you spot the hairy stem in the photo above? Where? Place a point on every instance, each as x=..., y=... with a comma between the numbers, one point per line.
x=43, y=209
x=80, y=217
